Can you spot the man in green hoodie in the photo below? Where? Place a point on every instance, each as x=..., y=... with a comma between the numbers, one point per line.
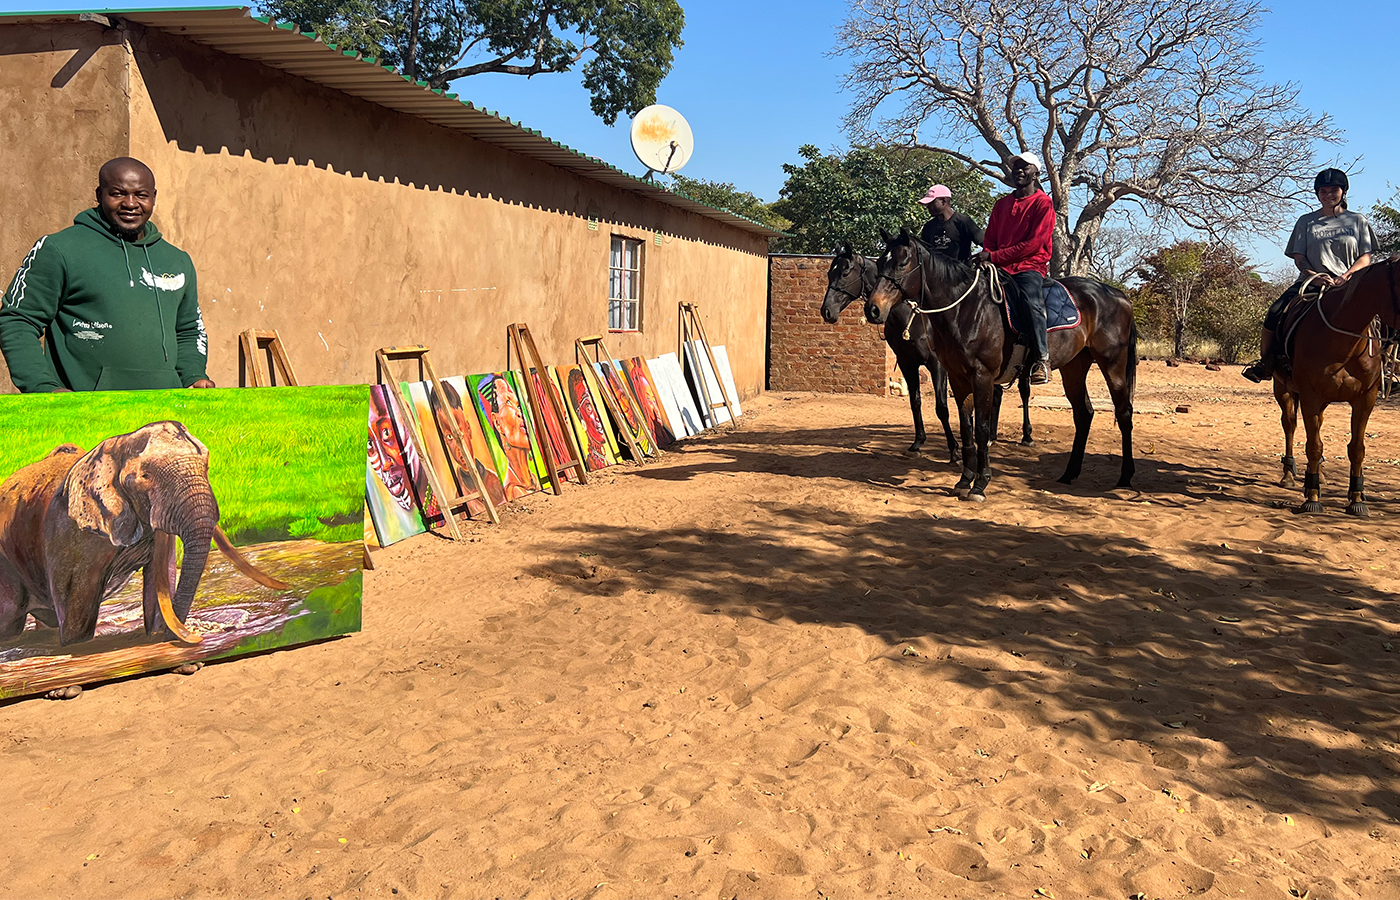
x=117, y=307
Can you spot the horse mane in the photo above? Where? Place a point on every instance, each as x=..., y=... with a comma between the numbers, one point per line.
x=940, y=265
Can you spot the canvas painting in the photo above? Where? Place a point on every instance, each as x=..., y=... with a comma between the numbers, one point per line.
x=588, y=425
x=433, y=425
x=676, y=397
x=726, y=375
x=702, y=377
x=536, y=456
x=600, y=406
x=502, y=421
x=388, y=482
x=143, y=530
x=639, y=377
x=554, y=429
x=615, y=384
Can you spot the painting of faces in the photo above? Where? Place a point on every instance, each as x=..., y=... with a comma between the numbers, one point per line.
x=554, y=429
x=143, y=530
x=612, y=381
x=507, y=436
x=444, y=456
x=588, y=425
x=388, y=480
x=639, y=377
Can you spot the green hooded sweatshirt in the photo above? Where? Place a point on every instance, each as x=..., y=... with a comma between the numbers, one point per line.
x=119, y=315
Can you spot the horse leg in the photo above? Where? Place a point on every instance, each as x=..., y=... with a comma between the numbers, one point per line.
x=909, y=368
x=1025, y=385
x=1312, y=481
x=969, y=445
x=1120, y=389
x=1073, y=374
x=997, y=394
x=1361, y=409
x=940, y=405
x=982, y=426
x=1289, y=416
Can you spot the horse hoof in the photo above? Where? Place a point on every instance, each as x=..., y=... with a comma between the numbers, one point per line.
x=1359, y=510
x=1309, y=507
x=1288, y=481
x=975, y=497
x=1124, y=483
x=1027, y=442
x=913, y=450
x=1065, y=479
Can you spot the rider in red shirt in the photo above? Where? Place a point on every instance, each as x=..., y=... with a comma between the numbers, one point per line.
x=1018, y=241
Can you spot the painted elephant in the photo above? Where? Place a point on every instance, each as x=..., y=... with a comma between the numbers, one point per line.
x=74, y=528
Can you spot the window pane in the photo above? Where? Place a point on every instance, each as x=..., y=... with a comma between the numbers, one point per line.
x=616, y=256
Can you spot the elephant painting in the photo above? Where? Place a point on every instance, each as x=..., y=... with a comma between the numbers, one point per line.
x=75, y=526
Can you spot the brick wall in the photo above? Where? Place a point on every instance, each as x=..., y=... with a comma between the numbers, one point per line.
x=805, y=353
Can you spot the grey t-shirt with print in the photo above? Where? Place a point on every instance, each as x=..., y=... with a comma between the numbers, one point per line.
x=1332, y=244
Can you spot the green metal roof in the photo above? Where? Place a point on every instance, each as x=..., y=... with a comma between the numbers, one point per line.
x=282, y=45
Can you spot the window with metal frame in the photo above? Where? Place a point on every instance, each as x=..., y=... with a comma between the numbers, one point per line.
x=625, y=285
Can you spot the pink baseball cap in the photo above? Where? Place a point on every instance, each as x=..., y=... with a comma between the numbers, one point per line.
x=938, y=190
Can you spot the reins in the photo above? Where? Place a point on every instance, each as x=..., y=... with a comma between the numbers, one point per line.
x=993, y=283
x=1346, y=295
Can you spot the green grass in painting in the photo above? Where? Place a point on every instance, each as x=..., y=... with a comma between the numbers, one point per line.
x=283, y=462
x=328, y=611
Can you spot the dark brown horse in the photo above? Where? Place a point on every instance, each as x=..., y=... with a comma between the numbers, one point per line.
x=1336, y=359
x=852, y=277
x=968, y=334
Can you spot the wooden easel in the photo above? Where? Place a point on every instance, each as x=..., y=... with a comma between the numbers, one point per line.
x=591, y=377
x=691, y=327
x=252, y=344
x=519, y=340
x=448, y=502
x=600, y=350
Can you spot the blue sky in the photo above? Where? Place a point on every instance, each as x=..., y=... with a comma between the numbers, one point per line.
x=756, y=81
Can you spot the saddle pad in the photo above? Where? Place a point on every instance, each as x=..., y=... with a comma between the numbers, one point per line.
x=1060, y=310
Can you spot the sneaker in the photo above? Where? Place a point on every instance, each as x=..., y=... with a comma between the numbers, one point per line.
x=1040, y=372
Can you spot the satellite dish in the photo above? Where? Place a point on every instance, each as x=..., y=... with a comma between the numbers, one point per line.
x=661, y=139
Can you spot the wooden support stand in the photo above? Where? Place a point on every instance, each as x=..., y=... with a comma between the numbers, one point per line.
x=520, y=342
x=252, y=344
x=691, y=328
x=581, y=346
x=448, y=502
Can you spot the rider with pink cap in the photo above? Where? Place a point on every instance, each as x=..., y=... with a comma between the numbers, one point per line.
x=950, y=233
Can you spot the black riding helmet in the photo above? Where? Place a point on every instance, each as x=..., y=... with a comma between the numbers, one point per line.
x=1331, y=178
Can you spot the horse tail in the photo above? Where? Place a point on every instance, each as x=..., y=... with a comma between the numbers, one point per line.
x=1132, y=356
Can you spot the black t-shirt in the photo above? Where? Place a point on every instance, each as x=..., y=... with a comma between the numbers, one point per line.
x=953, y=237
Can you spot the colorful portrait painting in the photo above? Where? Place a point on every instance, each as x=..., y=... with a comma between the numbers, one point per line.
x=626, y=405
x=554, y=429
x=140, y=531
x=393, y=508
x=588, y=425
x=537, y=462
x=639, y=377
x=506, y=435
x=462, y=408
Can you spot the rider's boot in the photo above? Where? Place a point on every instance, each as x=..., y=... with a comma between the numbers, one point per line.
x=1264, y=368
x=1040, y=372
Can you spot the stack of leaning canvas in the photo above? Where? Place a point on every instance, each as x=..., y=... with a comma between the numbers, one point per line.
x=493, y=412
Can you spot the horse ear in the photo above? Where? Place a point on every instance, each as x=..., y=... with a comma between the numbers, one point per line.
x=844, y=249
x=904, y=232
x=886, y=236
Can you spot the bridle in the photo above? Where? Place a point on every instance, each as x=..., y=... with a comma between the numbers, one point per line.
x=916, y=309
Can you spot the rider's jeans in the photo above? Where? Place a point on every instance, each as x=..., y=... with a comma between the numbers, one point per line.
x=1032, y=290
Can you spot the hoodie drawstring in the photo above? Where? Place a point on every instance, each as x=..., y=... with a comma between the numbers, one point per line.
x=130, y=279
x=155, y=289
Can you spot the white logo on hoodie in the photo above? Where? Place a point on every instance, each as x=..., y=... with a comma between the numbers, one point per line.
x=163, y=282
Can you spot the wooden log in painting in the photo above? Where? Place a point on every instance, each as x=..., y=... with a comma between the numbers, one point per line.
x=640, y=380
x=583, y=412
x=98, y=488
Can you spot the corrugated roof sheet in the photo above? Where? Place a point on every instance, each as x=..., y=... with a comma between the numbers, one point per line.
x=236, y=31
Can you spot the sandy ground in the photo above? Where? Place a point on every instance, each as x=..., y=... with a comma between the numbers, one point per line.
x=784, y=662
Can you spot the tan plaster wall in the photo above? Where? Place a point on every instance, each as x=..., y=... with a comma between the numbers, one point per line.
x=349, y=227
x=63, y=113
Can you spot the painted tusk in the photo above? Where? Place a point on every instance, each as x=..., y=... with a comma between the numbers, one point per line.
x=241, y=562
x=160, y=561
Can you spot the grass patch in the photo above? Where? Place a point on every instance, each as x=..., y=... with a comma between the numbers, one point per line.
x=283, y=462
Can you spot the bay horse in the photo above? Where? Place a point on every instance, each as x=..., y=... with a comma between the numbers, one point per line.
x=852, y=277
x=1336, y=359
x=968, y=333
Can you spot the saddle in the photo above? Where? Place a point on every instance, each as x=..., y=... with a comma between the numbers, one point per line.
x=1061, y=312
x=1292, y=317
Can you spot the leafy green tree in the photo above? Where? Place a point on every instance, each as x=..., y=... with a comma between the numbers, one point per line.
x=725, y=195
x=831, y=199
x=625, y=46
x=1207, y=290
x=1385, y=219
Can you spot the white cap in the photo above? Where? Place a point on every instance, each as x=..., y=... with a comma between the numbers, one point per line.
x=1030, y=159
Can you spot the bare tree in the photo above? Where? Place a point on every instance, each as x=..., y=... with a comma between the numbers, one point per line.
x=1153, y=102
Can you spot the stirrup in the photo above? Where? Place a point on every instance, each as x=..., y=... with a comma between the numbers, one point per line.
x=1258, y=370
x=1040, y=372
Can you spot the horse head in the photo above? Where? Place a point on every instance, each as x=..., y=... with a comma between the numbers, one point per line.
x=844, y=282
x=900, y=275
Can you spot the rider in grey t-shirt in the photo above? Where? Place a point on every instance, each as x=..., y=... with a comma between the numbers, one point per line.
x=1332, y=244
